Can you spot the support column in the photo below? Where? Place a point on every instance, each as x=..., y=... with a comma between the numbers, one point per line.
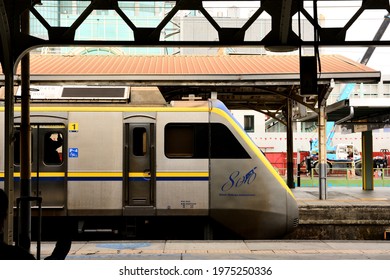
x=24, y=237
x=367, y=161
x=322, y=152
x=9, y=153
x=8, y=70
x=290, y=145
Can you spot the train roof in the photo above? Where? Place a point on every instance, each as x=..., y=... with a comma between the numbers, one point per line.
x=189, y=105
x=138, y=96
x=51, y=96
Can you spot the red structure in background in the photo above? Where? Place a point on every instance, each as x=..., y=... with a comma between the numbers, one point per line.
x=279, y=159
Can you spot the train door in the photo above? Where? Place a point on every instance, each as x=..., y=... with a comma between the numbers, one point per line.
x=48, y=164
x=140, y=171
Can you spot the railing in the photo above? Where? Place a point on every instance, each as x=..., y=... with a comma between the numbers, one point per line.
x=340, y=177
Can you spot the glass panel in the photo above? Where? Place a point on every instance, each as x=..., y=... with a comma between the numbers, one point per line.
x=224, y=144
x=249, y=123
x=192, y=140
x=139, y=141
x=179, y=140
x=53, y=148
x=17, y=148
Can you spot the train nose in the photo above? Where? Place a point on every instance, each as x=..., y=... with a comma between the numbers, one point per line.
x=292, y=214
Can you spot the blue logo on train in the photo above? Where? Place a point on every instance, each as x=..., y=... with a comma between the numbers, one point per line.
x=237, y=180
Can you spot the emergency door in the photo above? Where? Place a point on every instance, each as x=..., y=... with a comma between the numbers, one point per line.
x=140, y=174
x=48, y=163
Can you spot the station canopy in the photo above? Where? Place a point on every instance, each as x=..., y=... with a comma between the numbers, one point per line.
x=259, y=82
x=359, y=115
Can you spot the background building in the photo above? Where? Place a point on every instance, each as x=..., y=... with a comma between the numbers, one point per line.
x=267, y=133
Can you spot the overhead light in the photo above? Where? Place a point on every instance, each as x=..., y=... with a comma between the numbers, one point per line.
x=281, y=48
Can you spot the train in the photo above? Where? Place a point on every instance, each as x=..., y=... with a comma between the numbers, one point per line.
x=140, y=158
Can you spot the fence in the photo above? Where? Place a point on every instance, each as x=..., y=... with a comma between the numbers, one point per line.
x=337, y=177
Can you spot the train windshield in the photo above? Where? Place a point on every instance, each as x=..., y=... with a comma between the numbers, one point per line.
x=201, y=140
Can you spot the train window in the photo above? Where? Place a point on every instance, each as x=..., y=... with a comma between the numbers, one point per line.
x=139, y=141
x=193, y=140
x=179, y=140
x=53, y=148
x=17, y=148
x=249, y=123
x=224, y=144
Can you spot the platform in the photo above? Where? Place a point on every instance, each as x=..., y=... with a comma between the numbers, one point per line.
x=334, y=228
x=327, y=253
x=342, y=196
x=237, y=249
x=348, y=213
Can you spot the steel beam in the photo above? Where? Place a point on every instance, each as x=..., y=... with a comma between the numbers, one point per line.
x=280, y=37
x=367, y=161
x=290, y=145
x=322, y=152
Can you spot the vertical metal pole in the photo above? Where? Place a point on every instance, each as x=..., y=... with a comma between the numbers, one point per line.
x=367, y=161
x=322, y=152
x=7, y=64
x=290, y=151
x=25, y=146
x=9, y=153
x=298, y=168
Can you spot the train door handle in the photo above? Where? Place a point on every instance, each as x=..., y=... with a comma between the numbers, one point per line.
x=147, y=174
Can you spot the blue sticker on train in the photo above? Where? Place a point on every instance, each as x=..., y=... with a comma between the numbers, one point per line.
x=73, y=152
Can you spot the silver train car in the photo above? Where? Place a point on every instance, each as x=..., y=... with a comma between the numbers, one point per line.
x=148, y=160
